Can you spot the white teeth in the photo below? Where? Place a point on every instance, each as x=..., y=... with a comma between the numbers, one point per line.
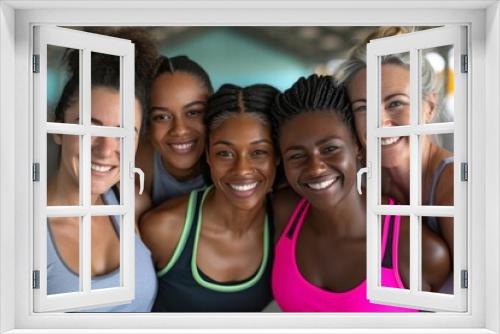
x=244, y=187
x=100, y=168
x=389, y=140
x=321, y=185
x=182, y=147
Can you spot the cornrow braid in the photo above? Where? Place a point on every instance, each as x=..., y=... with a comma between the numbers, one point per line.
x=183, y=64
x=316, y=93
x=231, y=100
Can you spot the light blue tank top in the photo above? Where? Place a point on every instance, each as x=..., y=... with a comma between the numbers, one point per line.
x=166, y=186
x=61, y=279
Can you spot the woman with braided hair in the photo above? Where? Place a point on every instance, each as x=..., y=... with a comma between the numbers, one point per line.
x=63, y=188
x=212, y=247
x=320, y=253
x=171, y=152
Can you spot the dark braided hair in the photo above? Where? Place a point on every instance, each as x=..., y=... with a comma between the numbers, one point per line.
x=105, y=69
x=316, y=93
x=231, y=100
x=183, y=64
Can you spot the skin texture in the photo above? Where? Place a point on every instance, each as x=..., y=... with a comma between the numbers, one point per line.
x=230, y=247
x=318, y=146
x=395, y=157
x=63, y=187
x=178, y=101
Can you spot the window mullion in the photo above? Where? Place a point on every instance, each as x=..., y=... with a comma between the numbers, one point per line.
x=85, y=174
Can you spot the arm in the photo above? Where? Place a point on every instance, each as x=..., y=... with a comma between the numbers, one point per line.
x=161, y=229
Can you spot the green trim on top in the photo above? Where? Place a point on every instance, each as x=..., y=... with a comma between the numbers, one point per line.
x=220, y=287
x=184, y=235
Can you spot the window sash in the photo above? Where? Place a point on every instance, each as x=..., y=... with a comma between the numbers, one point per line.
x=452, y=35
x=86, y=43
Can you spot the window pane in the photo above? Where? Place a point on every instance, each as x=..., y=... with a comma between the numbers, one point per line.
x=105, y=169
x=63, y=170
x=106, y=91
x=395, y=90
x=394, y=158
x=440, y=230
x=436, y=86
x=105, y=262
x=58, y=76
x=63, y=255
x=437, y=168
x=395, y=263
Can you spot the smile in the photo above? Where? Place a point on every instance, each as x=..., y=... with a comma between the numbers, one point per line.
x=323, y=184
x=389, y=140
x=183, y=147
x=101, y=168
x=243, y=187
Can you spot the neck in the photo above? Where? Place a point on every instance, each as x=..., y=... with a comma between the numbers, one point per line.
x=345, y=219
x=62, y=190
x=182, y=174
x=221, y=213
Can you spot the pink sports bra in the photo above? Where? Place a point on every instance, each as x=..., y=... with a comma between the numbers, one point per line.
x=294, y=293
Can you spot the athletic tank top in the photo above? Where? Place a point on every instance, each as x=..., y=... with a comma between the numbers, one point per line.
x=294, y=293
x=432, y=221
x=166, y=186
x=61, y=279
x=184, y=288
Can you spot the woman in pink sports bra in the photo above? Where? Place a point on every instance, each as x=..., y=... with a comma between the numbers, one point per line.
x=320, y=253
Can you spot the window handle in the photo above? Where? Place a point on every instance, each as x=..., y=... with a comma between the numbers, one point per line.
x=359, y=175
x=134, y=170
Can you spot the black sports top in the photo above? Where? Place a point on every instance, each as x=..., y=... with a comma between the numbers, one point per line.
x=182, y=287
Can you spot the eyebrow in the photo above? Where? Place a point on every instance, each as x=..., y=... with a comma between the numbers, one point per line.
x=98, y=122
x=158, y=108
x=255, y=142
x=388, y=97
x=319, y=142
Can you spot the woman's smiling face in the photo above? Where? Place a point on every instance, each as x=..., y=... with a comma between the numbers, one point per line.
x=178, y=101
x=105, y=151
x=242, y=160
x=319, y=154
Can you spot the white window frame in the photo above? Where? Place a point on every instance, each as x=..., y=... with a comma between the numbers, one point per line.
x=412, y=44
x=16, y=21
x=85, y=43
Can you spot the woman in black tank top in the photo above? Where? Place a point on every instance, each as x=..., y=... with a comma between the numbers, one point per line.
x=212, y=248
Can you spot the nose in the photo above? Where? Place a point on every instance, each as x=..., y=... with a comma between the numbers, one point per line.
x=387, y=119
x=105, y=146
x=243, y=166
x=316, y=166
x=179, y=128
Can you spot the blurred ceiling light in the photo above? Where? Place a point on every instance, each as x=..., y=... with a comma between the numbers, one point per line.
x=436, y=60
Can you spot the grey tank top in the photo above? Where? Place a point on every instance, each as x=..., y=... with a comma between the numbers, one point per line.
x=61, y=279
x=166, y=186
x=432, y=221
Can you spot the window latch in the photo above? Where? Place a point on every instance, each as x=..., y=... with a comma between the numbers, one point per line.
x=134, y=170
x=365, y=170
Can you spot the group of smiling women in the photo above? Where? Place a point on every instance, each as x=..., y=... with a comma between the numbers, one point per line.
x=218, y=231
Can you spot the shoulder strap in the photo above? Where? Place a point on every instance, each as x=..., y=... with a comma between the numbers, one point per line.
x=435, y=178
x=296, y=218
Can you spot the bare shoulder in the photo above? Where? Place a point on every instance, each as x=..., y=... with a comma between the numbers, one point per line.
x=144, y=160
x=284, y=202
x=436, y=259
x=161, y=228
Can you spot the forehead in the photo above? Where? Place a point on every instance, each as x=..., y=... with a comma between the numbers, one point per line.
x=241, y=128
x=181, y=84
x=310, y=127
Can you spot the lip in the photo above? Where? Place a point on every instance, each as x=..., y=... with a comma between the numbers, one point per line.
x=183, y=147
x=243, y=189
x=323, y=183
